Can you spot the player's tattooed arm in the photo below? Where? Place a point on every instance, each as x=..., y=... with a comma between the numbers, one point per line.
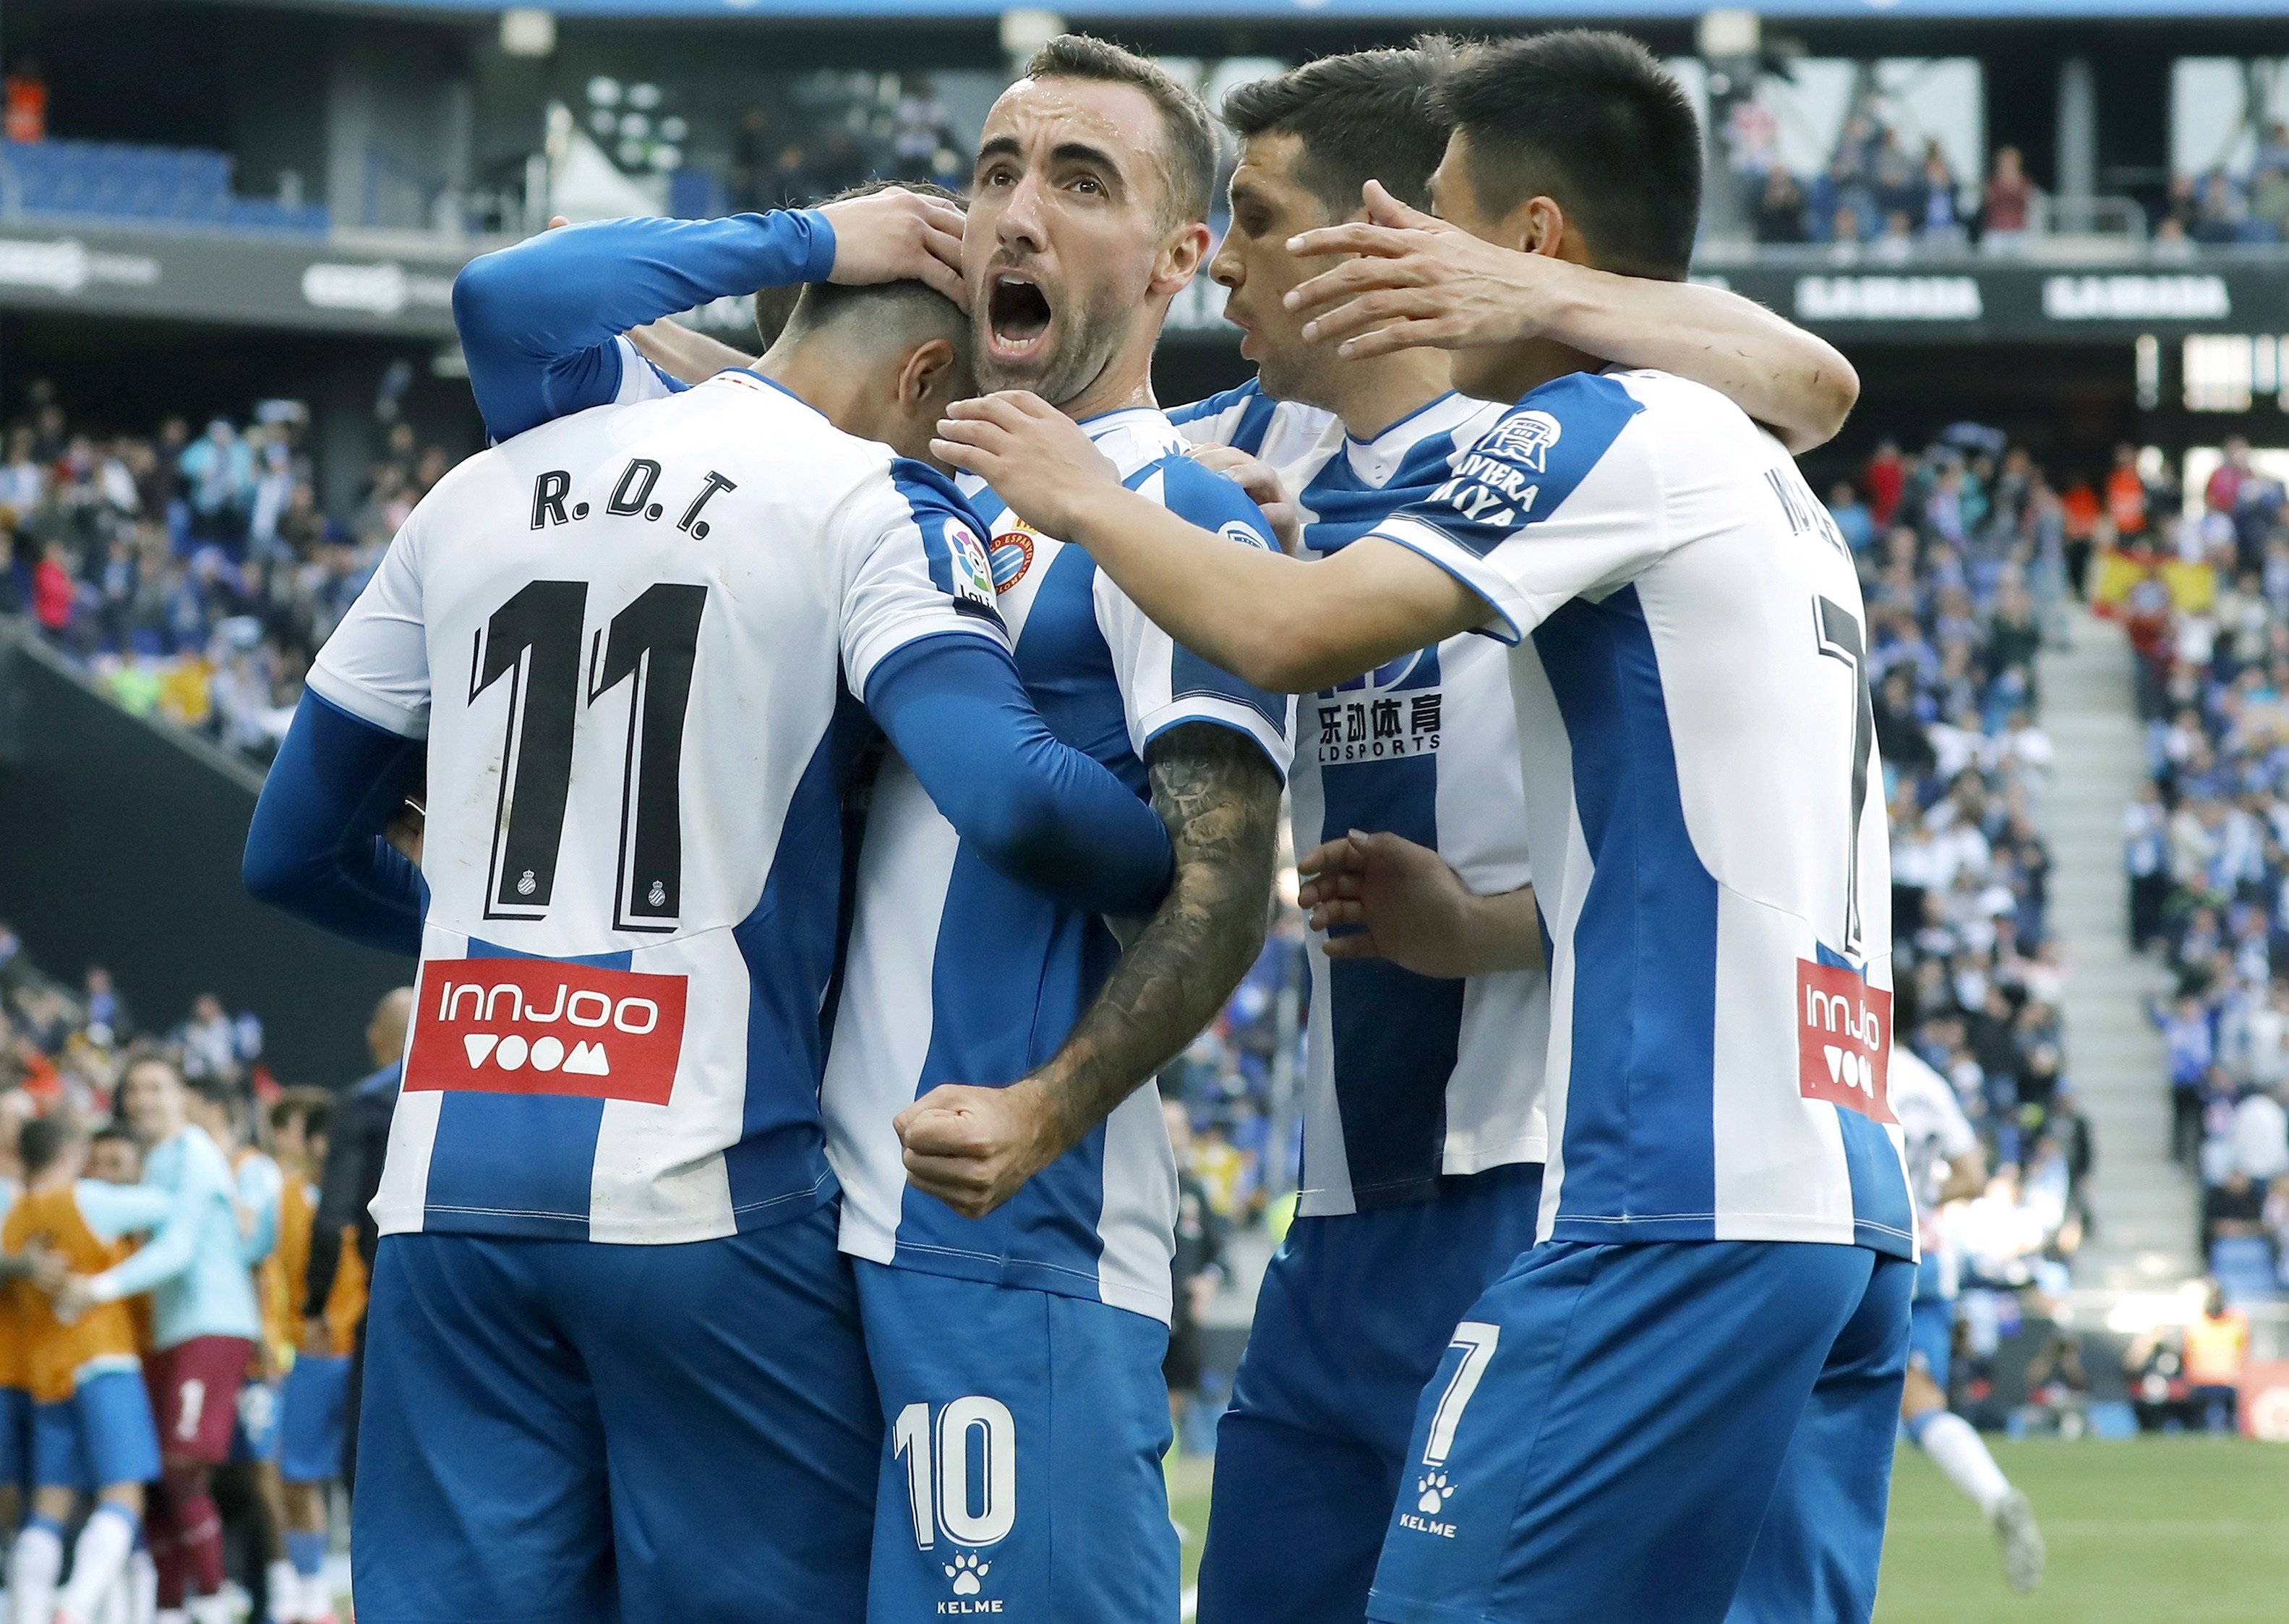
x=974, y=1147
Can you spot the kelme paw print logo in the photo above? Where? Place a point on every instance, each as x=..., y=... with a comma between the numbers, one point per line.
x=966, y=1570
x=1436, y=1490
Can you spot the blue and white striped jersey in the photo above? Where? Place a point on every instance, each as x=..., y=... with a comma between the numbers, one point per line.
x=1934, y=1132
x=1407, y=1078
x=626, y=636
x=957, y=975
x=1699, y=752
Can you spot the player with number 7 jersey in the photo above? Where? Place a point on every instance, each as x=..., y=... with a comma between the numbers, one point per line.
x=615, y=1366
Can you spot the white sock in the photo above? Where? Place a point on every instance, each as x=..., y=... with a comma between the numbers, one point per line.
x=32, y=1569
x=285, y=1588
x=1959, y=1451
x=118, y=1601
x=317, y=1598
x=210, y=1609
x=170, y=1615
x=98, y=1559
x=143, y=1586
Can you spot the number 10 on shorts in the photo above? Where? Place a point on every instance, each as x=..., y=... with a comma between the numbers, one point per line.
x=969, y=1507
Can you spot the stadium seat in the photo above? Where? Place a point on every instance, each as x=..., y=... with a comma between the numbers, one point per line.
x=177, y=183
x=2243, y=1267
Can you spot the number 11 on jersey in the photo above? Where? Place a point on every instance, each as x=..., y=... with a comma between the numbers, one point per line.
x=533, y=640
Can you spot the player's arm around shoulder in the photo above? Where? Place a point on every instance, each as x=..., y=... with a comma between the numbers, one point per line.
x=1219, y=796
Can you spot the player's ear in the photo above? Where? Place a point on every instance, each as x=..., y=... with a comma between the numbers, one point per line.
x=927, y=373
x=1180, y=256
x=1539, y=226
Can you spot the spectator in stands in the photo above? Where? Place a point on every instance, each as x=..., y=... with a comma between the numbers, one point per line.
x=108, y=1021
x=2144, y=858
x=920, y=129
x=1841, y=203
x=1941, y=220
x=220, y=475
x=1853, y=519
x=1781, y=206
x=25, y=94
x=2007, y=203
x=2188, y=1045
x=53, y=595
x=209, y=1040
x=2126, y=495
x=2261, y=1137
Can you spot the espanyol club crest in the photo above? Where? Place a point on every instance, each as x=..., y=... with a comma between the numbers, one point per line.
x=1525, y=438
x=1011, y=556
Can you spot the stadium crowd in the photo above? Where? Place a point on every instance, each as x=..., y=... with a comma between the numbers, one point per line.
x=2225, y=205
x=194, y=574
x=160, y=1193
x=1877, y=194
x=2207, y=847
x=1963, y=559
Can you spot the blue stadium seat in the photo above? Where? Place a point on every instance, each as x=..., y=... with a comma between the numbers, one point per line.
x=178, y=183
x=2243, y=1267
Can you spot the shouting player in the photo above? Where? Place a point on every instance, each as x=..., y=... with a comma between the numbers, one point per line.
x=1423, y=1129
x=1022, y=1469
x=615, y=1366
x=1688, y=1391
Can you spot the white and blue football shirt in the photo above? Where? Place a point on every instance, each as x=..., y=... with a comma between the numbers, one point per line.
x=1408, y=1077
x=616, y=1034
x=1699, y=757
x=957, y=975
x=1934, y=1132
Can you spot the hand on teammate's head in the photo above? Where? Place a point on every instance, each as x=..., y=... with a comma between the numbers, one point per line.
x=896, y=236
x=1415, y=281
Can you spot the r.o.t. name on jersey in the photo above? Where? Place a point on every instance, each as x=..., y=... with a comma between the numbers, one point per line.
x=616, y=1032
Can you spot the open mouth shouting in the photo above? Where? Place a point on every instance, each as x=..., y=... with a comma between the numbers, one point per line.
x=1018, y=318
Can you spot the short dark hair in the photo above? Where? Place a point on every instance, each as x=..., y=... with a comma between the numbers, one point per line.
x=314, y=1106
x=814, y=305
x=115, y=1133
x=1591, y=120
x=1366, y=116
x=41, y=1142
x=215, y=1092
x=1189, y=162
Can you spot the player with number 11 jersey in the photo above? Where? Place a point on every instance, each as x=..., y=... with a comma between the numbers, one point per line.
x=612, y=1342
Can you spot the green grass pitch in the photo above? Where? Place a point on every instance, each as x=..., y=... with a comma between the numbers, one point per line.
x=2155, y=1531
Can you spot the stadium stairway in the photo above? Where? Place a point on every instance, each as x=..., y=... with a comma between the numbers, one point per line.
x=2143, y=1206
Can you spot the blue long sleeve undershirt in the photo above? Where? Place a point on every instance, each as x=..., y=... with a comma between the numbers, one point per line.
x=315, y=848
x=1037, y=811
x=538, y=321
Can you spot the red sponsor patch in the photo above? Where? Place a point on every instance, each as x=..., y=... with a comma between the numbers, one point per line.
x=530, y=1025
x=1843, y=1040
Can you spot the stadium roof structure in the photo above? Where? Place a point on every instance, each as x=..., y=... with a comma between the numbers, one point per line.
x=1521, y=11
